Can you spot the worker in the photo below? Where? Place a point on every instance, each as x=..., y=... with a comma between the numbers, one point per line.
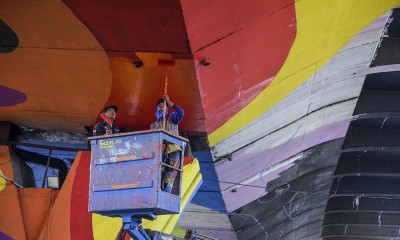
x=172, y=152
x=107, y=126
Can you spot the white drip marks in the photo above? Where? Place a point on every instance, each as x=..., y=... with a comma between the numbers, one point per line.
x=379, y=218
x=356, y=202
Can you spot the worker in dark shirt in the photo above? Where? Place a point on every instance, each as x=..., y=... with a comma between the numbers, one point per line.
x=172, y=152
x=107, y=126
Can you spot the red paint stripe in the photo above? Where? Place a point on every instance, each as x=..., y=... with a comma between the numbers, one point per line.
x=247, y=48
x=152, y=21
x=81, y=219
x=187, y=160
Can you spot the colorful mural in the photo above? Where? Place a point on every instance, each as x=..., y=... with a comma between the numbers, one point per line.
x=62, y=214
x=282, y=76
x=9, y=42
x=322, y=30
x=9, y=39
x=303, y=105
x=58, y=65
x=254, y=73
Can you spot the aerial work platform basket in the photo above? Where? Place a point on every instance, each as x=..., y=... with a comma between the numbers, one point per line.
x=126, y=174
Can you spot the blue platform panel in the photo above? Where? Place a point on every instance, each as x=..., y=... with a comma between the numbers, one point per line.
x=126, y=172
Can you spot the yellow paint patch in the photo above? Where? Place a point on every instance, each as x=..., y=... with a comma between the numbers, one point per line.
x=105, y=227
x=2, y=182
x=190, y=180
x=179, y=232
x=323, y=28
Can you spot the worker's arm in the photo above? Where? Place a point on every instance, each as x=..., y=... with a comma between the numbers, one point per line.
x=177, y=116
x=98, y=130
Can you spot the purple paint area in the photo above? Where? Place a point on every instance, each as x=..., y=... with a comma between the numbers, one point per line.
x=247, y=165
x=244, y=194
x=4, y=236
x=10, y=97
x=385, y=68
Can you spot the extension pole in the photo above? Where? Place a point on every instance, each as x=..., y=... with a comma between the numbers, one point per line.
x=165, y=104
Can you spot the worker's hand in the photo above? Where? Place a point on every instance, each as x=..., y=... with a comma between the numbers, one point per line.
x=166, y=98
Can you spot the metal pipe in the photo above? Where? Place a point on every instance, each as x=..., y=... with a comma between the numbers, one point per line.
x=11, y=181
x=47, y=168
x=204, y=236
x=167, y=165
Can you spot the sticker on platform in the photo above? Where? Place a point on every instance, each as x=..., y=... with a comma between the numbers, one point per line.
x=109, y=143
x=122, y=186
x=133, y=157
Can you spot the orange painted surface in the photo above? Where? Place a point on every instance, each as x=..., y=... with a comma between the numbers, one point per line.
x=37, y=213
x=11, y=222
x=155, y=33
x=136, y=91
x=74, y=57
x=35, y=207
x=59, y=66
x=5, y=162
x=60, y=217
x=42, y=213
